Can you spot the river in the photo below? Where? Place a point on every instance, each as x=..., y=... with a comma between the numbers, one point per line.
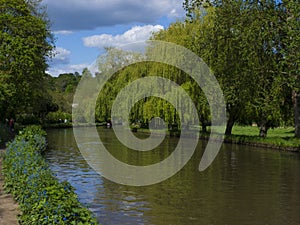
x=244, y=185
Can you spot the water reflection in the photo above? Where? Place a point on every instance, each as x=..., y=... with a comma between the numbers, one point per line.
x=243, y=186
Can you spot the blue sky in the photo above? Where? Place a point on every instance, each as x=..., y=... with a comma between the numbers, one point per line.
x=83, y=28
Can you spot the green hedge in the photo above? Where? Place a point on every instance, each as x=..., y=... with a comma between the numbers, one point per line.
x=41, y=197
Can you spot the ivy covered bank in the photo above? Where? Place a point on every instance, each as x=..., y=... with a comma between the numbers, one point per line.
x=41, y=197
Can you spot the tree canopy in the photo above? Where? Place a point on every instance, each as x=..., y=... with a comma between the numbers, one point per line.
x=246, y=47
x=252, y=47
x=25, y=45
x=253, y=50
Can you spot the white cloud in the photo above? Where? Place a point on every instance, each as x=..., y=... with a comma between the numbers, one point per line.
x=90, y=14
x=61, y=56
x=60, y=63
x=61, y=69
x=135, y=34
x=63, y=32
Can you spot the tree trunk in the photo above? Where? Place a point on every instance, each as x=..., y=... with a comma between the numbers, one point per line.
x=234, y=113
x=296, y=101
x=229, y=125
x=203, y=124
x=263, y=129
x=204, y=128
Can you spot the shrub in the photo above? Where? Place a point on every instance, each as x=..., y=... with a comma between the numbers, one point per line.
x=42, y=198
x=58, y=117
x=36, y=137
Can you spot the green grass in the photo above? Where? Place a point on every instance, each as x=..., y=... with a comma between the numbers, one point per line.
x=282, y=138
x=277, y=138
x=254, y=131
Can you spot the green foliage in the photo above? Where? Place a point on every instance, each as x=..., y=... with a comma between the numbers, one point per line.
x=245, y=43
x=58, y=117
x=291, y=51
x=150, y=107
x=112, y=61
x=25, y=44
x=62, y=89
x=241, y=42
x=42, y=198
x=35, y=136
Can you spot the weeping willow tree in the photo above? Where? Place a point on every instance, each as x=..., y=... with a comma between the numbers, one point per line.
x=149, y=107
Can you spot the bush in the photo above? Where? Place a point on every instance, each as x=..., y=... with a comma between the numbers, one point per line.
x=36, y=137
x=58, y=117
x=42, y=198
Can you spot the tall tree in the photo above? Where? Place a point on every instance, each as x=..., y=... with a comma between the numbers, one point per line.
x=25, y=44
x=190, y=35
x=113, y=61
x=263, y=53
x=291, y=51
x=244, y=51
x=224, y=55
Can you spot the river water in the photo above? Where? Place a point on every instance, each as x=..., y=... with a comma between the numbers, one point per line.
x=244, y=185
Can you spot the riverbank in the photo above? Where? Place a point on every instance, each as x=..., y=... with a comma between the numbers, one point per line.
x=40, y=195
x=278, y=138
x=9, y=210
x=70, y=125
x=281, y=138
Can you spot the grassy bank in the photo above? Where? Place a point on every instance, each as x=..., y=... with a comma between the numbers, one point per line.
x=41, y=197
x=277, y=138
